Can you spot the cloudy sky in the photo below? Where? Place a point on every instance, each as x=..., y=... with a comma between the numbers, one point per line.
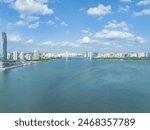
x=76, y=25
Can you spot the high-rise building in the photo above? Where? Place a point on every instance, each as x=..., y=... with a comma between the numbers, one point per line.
x=36, y=55
x=3, y=49
x=22, y=56
x=3, y=46
x=15, y=55
x=28, y=57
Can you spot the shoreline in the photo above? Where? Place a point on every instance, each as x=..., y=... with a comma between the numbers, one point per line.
x=19, y=65
x=34, y=62
x=123, y=59
x=11, y=67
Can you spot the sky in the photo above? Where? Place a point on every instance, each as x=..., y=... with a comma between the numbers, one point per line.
x=76, y=25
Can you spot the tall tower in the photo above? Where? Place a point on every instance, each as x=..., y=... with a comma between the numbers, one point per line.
x=3, y=47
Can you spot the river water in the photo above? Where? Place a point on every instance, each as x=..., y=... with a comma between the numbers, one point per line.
x=77, y=85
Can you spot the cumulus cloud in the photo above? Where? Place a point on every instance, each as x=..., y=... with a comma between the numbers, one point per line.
x=124, y=9
x=29, y=11
x=118, y=31
x=143, y=12
x=87, y=39
x=119, y=35
x=31, y=7
x=112, y=31
x=14, y=38
x=20, y=23
x=100, y=10
x=34, y=26
x=112, y=34
x=30, y=41
x=114, y=24
x=143, y=2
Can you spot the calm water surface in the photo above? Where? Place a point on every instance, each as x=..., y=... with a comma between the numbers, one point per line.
x=77, y=85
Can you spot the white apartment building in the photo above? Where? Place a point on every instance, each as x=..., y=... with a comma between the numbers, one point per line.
x=15, y=55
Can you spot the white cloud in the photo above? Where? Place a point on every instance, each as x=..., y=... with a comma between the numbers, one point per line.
x=20, y=23
x=87, y=32
x=30, y=41
x=143, y=2
x=64, y=24
x=87, y=39
x=14, y=38
x=50, y=22
x=118, y=32
x=119, y=35
x=140, y=39
x=60, y=44
x=143, y=12
x=31, y=7
x=34, y=26
x=29, y=18
x=111, y=34
x=100, y=10
x=126, y=1
x=113, y=31
x=125, y=29
x=115, y=24
x=29, y=11
x=124, y=9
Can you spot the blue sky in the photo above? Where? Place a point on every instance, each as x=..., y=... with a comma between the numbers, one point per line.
x=76, y=25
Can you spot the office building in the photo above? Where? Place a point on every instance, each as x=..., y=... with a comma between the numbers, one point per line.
x=3, y=49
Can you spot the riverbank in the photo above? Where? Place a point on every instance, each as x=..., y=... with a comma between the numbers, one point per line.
x=22, y=64
x=11, y=67
x=126, y=58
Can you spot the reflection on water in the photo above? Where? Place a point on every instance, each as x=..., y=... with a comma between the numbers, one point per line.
x=77, y=85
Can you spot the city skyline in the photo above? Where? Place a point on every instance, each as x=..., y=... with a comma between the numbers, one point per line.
x=11, y=58
x=76, y=26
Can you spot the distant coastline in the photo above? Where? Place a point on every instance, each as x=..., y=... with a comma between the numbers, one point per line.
x=45, y=60
x=127, y=58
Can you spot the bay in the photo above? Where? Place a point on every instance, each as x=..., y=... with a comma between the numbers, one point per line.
x=77, y=85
